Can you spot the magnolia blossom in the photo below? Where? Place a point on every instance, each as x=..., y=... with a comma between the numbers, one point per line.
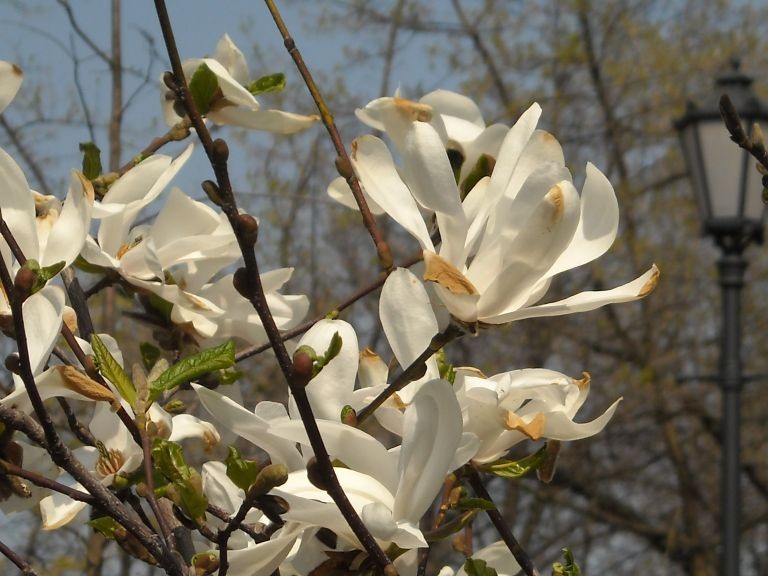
x=533, y=403
x=234, y=105
x=515, y=229
x=390, y=489
x=177, y=254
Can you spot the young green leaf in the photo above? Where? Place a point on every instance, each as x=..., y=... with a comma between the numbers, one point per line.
x=112, y=371
x=203, y=87
x=568, y=568
x=42, y=275
x=193, y=367
x=269, y=83
x=106, y=526
x=169, y=460
x=241, y=471
x=91, y=160
x=478, y=568
x=515, y=468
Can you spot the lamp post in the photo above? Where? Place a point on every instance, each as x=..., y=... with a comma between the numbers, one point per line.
x=728, y=192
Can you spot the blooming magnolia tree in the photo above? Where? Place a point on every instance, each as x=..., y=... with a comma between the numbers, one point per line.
x=364, y=467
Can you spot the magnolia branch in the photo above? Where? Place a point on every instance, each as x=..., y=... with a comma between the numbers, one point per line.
x=343, y=163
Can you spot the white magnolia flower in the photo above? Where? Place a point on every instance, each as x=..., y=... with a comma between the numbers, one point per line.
x=496, y=556
x=390, y=489
x=515, y=230
x=533, y=403
x=236, y=106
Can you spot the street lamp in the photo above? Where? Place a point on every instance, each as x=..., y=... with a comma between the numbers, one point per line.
x=728, y=192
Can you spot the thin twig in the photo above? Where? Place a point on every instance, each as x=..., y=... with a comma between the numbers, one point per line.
x=43, y=482
x=176, y=133
x=732, y=120
x=343, y=164
x=525, y=561
x=247, y=528
x=150, y=481
x=20, y=563
x=78, y=429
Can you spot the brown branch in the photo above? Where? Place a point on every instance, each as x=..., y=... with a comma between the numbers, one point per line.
x=43, y=482
x=20, y=563
x=176, y=133
x=343, y=164
x=116, y=71
x=732, y=120
x=522, y=557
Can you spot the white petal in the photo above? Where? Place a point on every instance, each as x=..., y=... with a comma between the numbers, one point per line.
x=462, y=118
x=548, y=231
x=430, y=177
x=189, y=426
x=498, y=557
x=586, y=301
x=264, y=558
x=406, y=316
x=276, y=121
x=219, y=489
x=18, y=205
x=68, y=234
x=10, y=81
x=558, y=426
x=246, y=424
x=331, y=389
x=358, y=450
x=598, y=223
x=378, y=175
x=230, y=56
x=340, y=191
x=58, y=510
x=42, y=312
x=431, y=433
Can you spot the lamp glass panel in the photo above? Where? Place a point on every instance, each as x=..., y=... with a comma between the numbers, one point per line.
x=693, y=161
x=723, y=161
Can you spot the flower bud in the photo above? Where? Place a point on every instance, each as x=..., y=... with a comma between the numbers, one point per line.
x=12, y=363
x=273, y=507
x=246, y=227
x=302, y=366
x=349, y=416
x=344, y=167
x=169, y=80
x=315, y=474
x=175, y=407
x=240, y=281
x=211, y=190
x=269, y=477
x=220, y=151
x=24, y=282
x=205, y=563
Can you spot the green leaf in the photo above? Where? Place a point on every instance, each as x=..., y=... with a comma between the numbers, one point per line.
x=451, y=527
x=475, y=504
x=193, y=500
x=106, y=526
x=42, y=275
x=569, y=568
x=241, y=471
x=269, y=83
x=112, y=371
x=193, y=367
x=515, y=468
x=446, y=370
x=169, y=460
x=149, y=355
x=478, y=568
x=203, y=86
x=91, y=160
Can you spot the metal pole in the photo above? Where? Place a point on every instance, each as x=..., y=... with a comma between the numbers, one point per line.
x=731, y=267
